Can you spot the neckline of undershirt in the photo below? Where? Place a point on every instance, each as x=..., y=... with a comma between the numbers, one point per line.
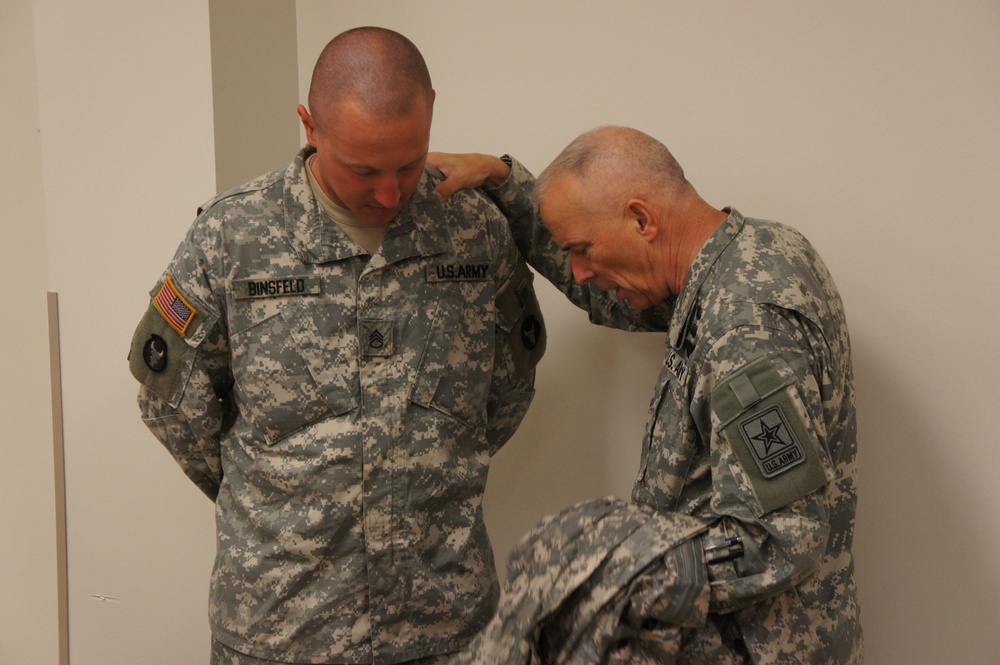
x=367, y=235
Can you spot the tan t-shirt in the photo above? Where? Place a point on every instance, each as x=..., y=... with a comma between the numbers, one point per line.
x=367, y=235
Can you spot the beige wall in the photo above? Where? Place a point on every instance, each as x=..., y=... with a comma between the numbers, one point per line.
x=255, y=89
x=870, y=126
x=125, y=110
x=29, y=610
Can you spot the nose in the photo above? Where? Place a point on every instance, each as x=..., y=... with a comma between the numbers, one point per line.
x=581, y=271
x=387, y=192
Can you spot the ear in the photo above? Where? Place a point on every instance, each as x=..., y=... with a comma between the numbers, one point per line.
x=308, y=123
x=642, y=219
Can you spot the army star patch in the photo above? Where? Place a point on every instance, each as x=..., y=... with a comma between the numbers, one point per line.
x=175, y=309
x=772, y=442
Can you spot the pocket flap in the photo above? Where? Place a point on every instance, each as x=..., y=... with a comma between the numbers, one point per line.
x=758, y=380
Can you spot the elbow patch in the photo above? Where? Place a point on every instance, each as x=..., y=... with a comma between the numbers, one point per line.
x=520, y=318
x=763, y=419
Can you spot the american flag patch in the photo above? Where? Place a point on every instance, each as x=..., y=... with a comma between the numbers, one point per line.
x=175, y=309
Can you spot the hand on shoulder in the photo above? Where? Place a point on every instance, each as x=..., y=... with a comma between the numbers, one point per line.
x=467, y=171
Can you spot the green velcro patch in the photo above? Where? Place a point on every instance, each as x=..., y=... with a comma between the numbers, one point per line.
x=159, y=357
x=763, y=419
x=520, y=317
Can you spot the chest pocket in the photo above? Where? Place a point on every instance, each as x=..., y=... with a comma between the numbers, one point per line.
x=294, y=368
x=456, y=366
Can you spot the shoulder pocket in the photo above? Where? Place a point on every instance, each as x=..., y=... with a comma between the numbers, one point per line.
x=519, y=317
x=761, y=415
x=163, y=349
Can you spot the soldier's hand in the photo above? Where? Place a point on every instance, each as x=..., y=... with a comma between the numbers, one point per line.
x=467, y=171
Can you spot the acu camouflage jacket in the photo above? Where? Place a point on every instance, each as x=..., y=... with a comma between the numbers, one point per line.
x=751, y=428
x=342, y=411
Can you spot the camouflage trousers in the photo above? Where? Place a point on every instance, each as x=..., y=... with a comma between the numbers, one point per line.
x=223, y=655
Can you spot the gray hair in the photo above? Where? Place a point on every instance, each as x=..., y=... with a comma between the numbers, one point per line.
x=614, y=163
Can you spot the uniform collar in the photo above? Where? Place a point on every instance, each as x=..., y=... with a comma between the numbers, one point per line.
x=317, y=239
x=685, y=306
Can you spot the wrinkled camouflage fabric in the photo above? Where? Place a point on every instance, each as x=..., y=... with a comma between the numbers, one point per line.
x=603, y=581
x=223, y=655
x=751, y=427
x=342, y=411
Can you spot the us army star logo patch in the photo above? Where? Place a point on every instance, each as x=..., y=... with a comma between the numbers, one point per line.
x=772, y=442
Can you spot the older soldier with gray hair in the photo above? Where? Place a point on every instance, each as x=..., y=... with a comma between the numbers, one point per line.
x=333, y=356
x=747, y=472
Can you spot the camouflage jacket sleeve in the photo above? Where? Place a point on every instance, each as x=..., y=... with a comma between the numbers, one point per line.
x=773, y=478
x=180, y=356
x=544, y=255
x=520, y=345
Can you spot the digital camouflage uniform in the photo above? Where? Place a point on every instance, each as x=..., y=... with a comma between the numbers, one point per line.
x=341, y=411
x=603, y=581
x=751, y=431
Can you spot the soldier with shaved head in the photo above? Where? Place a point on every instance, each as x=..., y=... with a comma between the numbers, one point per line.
x=333, y=356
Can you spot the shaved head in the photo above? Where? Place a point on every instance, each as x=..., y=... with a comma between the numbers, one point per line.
x=378, y=69
x=613, y=164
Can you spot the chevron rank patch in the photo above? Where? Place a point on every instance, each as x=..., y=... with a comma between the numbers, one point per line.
x=376, y=338
x=174, y=307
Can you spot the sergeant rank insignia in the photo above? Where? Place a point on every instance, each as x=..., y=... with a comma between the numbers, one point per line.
x=376, y=338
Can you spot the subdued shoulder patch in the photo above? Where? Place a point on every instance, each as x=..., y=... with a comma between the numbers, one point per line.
x=154, y=353
x=520, y=317
x=160, y=358
x=762, y=417
x=772, y=441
